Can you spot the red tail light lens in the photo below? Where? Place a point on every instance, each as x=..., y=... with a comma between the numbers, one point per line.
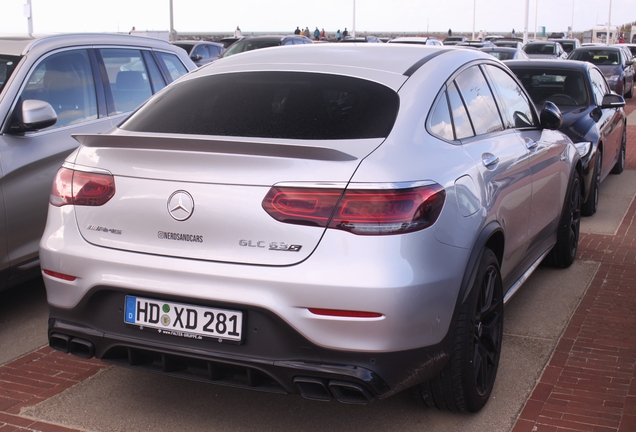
x=81, y=188
x=360, y=211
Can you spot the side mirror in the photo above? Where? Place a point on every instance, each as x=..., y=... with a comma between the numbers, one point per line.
x=34, y=114
x=550, y=116
x=612, y=101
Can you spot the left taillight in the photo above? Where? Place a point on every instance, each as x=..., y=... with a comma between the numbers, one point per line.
x=362, y=211
x=81, y=188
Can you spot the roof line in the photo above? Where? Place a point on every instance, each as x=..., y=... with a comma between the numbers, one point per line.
x=410, y=71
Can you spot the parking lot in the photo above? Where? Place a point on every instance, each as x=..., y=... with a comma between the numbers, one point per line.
x=44, y=390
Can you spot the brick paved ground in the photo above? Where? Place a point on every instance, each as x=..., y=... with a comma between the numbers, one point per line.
x=588, y=385
x=35, y=377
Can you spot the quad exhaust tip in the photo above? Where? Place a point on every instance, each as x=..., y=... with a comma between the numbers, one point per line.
x=75, y=346
x=342, y=391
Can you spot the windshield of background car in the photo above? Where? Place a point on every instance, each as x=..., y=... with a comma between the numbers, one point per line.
x=7, y=65
x=597, y=57
x=564, y=88
x=539, y=49
x=507, y=55
x=288, y=105
x=249, y=45
x=568, y=46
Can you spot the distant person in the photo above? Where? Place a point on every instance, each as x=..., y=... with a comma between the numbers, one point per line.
x=345, y=33
x=131, y=30
x=513, y=32
x=237, y=32
x=297, y=31
x=322, y=34
x=450, y=32
x=338, y=35
x=316, y=34
x=307, y=32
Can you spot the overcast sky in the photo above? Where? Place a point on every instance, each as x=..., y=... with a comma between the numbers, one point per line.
x=373, y=16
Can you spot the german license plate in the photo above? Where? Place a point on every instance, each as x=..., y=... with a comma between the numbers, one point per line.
x=183, y=320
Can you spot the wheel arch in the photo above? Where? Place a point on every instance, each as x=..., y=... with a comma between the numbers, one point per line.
x=492, y=236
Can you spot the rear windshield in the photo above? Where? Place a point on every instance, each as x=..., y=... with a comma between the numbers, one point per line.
x=539, y=49
x=565, y=88
x=7, y=65
x=292, y=105
x=597, y=57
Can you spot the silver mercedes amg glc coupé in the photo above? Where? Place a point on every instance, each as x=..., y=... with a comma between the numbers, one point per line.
x=340, y=221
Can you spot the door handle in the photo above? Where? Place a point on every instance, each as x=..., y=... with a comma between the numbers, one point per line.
x=489, y=159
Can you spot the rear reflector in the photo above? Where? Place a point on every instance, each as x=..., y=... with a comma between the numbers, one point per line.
x=344, y=313
x=81, y=188
x=359, y=211
x=59, y=275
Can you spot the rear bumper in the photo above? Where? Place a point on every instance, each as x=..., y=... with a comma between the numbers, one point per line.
x=272, y=357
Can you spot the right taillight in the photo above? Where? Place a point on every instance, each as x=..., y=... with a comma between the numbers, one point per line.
x=363, y=211
x=81, y=188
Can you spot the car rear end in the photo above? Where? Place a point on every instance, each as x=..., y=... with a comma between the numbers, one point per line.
x=226, y=238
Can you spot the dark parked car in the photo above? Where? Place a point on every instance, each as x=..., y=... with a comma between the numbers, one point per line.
x=476, y=44
x=508, y=43
x=201, y=52
x=545, y=50
x=504, y=53
x=50, y=88
x=613, y=62
x=593, y=116
x=258, y=42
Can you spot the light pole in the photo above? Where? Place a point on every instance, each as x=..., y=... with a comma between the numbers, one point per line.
x=536, y=18
x=172, y=33
x=29, y=16
x=353, y=29
x=474, y=10
x=609, y=24
x=525, y=22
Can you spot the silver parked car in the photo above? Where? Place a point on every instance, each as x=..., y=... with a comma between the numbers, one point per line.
x=335, y=220
x=52, y=87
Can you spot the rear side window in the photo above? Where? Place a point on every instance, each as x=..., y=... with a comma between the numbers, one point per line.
x=479, y=101
x=291, y=105
x=175, y=68
x=128, y=77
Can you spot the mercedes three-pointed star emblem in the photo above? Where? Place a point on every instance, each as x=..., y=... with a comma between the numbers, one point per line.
x=180, y=205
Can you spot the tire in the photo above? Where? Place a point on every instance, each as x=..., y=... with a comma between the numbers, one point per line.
x=620, y=163
x=564, y=251
x=589, y=207
x=468, y=378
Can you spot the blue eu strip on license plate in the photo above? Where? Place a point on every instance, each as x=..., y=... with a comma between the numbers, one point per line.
x=183, y=320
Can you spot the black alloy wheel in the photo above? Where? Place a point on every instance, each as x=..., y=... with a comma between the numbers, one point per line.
x=620, y=163
x=564, y=251
x=589, y=207
x=467, y=380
